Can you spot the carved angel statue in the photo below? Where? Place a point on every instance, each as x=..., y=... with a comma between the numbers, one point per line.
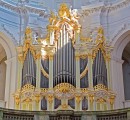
x=74, y=15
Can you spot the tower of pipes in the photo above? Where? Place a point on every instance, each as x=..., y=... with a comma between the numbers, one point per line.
x=64, y=71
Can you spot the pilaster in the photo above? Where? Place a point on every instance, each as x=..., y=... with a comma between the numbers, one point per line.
x=117, y=77
x=77, y=71
x=50, y=71
x=38, y=70
x=90, y=72
x=19, y=77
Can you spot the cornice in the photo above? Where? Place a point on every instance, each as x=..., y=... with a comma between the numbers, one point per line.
x=110, y=7
x=19, y=9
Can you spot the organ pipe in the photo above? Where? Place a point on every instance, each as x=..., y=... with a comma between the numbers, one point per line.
x=64, y=59
x=28, y=71
x=99, y=69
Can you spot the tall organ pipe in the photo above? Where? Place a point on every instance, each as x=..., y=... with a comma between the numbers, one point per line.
x=99, y=70
x=64, y=65
x=28, y=71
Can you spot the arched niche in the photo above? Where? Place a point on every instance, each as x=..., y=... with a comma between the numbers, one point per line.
x=119, y=44
x=10, y=72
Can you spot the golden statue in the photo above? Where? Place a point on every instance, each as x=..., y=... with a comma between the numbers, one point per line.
x=100, y=35
x=64, y=11
x=52, y=18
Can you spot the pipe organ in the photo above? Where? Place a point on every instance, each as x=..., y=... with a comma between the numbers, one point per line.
x=64, y=71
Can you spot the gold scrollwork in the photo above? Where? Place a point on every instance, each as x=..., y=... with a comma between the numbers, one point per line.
x=44, y=72
x=64, y=106
x=84, y=72
x=112, y=99
x=101, y=100
x=37, y=98
x=50, y=98
x=100, y=87
x=17, y=99
x=78, y=98
x=91, y=98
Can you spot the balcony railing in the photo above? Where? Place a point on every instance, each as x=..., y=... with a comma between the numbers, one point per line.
x=8, y=114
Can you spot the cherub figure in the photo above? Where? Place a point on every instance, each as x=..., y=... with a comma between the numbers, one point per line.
x=74, y=15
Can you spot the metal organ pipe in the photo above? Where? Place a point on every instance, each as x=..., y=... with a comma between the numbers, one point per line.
x=28, y=72
x=100, y=70
x=67, y=58
x=99, y=77
x=64, y=65
x=101, y=67
x=64, y=59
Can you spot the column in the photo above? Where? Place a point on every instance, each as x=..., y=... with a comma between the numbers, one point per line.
x=90, y=81
x=51, y=37
x=10, y=85
x=38, y=70
x=77, y=71
x=117, y=77
x=108, y=64
x=50, y=71
x=7, y=84
x=77, y=35
x=50, y=97
x=91, y=102
x=90, y=72
x=78, y=103
x=19, y=77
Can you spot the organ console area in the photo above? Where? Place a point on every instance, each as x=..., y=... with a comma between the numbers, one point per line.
x=64, y=71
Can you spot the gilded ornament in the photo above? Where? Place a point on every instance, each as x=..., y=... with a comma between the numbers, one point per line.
x=78, y=98
x=37, y=98
x=38, y=56
x=27, y=100
x=50, y=98
x=77, y=56
x=17, y=99
x=44, y=72
x=64, y=11
x=64, y=106
x=100, y=36
x=20, y=58
x=84, y=72
x=101, y=100
x=53, y=18
x=91, y=98
x=112, y=99
x=100, y=87
x=50, y=56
